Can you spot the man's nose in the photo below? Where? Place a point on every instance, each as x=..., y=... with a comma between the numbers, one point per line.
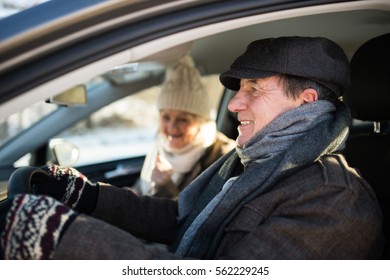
x=238, y=102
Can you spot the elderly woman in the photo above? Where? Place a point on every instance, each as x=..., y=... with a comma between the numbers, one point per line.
x=188, y=141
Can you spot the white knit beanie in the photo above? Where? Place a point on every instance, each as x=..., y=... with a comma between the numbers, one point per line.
x=183, y=90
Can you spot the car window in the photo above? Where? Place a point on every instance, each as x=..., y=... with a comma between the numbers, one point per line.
x=19, y=121
x=125, y=128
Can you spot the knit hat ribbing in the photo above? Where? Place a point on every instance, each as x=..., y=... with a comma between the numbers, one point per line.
x=183, y=90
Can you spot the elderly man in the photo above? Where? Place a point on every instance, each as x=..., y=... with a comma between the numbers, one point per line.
x=285, y=192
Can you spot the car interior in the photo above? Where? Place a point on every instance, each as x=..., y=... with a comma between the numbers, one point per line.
x=213, y=50
x=368, y=147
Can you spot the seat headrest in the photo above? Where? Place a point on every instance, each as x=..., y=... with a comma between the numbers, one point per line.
x=369, y=95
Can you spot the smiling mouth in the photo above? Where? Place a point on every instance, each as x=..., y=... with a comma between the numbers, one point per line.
x=246, y=123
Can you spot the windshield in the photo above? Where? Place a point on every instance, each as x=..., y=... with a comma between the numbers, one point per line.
x=19, y=121
x=124, y=128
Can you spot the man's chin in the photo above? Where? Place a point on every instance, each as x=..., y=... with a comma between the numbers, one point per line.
x=241, y=141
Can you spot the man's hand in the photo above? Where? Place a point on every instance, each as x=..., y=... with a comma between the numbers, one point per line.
x=70, y=187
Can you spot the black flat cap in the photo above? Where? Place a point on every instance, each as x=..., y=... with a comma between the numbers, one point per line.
x=315, y=58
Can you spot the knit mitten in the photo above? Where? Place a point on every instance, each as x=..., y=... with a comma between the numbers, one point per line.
x=34, y=226
x=70, y=187
x=5, y=206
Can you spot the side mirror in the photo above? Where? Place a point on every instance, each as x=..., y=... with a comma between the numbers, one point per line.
x=63, y=152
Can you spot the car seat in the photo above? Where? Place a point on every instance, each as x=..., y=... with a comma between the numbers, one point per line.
x=368, y=147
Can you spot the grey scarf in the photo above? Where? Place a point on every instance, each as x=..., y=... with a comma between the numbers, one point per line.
x=291, y=142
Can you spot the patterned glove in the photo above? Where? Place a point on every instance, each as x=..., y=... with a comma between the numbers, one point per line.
x=33, y=227
x=5, y=206
x=70, y=187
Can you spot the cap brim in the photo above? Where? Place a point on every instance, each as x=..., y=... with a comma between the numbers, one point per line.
x=231, y=78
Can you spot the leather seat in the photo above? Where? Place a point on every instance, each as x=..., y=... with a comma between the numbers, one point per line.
x=368, y=148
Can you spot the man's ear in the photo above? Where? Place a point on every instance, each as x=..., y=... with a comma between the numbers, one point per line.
x=308, y=95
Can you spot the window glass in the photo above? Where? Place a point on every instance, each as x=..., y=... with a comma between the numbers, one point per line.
x=125, y=128
x=17, y=122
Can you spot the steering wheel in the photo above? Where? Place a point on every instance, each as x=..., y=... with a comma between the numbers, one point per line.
x=21, y=182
